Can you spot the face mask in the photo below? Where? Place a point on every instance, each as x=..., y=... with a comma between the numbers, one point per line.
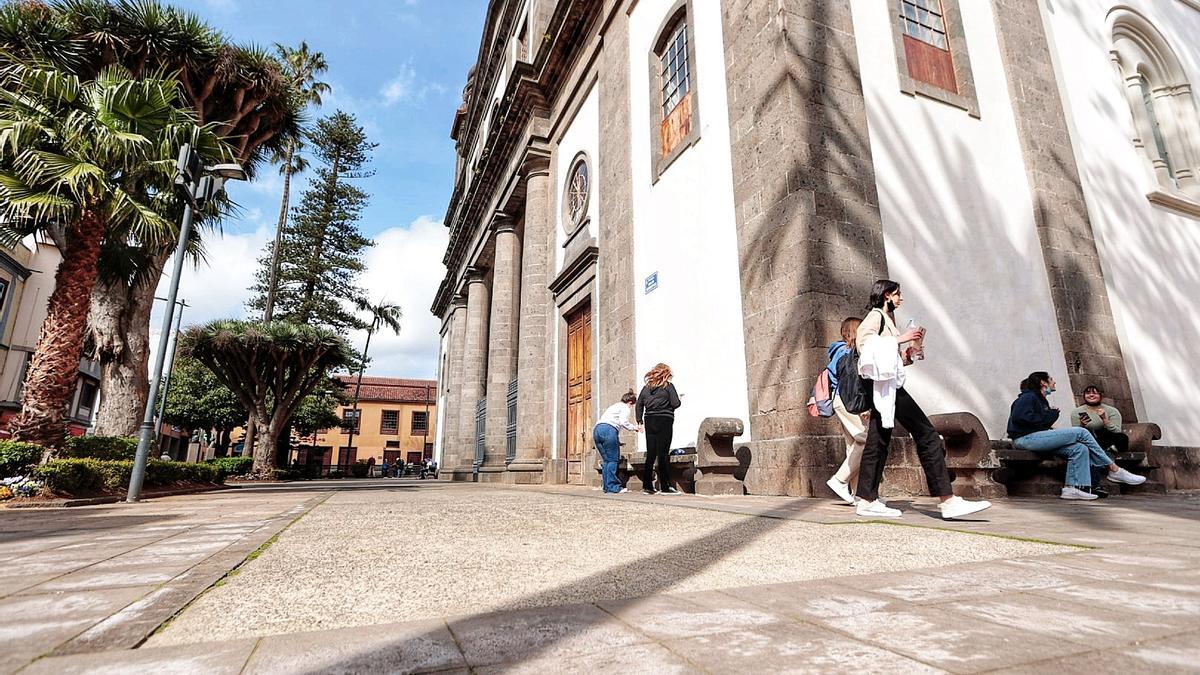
x=1048, y=390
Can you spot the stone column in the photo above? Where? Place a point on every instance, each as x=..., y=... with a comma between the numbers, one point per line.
x=451, y=386
x=1085, y=319
x=502, y=343
x=474, y=370
x=810, y=237
x=534, y=421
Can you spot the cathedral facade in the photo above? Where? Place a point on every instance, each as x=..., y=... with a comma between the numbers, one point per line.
x=716, y=184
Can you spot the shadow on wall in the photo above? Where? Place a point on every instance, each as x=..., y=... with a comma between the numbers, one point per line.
x=812, y=255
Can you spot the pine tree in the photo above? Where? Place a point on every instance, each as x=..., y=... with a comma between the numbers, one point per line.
x=322, y=248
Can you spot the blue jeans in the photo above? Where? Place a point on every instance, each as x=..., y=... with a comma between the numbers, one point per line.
x=1076, y=444
x=608, y=444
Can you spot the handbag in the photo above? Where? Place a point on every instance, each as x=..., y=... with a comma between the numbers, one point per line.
x=854, y=389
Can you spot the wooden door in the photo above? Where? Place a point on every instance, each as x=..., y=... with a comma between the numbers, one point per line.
x=579, y=390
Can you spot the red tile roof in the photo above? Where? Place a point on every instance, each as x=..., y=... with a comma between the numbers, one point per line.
x=391, y=389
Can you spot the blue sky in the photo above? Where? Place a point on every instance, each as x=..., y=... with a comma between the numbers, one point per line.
x=399, y=66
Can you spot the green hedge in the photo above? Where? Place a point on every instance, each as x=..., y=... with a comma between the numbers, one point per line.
x=15, y=456
x=84, y=474
x=360, y=469
x=118, y=448
x=233, y=466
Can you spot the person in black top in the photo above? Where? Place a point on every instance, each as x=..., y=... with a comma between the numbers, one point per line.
x=656, y=410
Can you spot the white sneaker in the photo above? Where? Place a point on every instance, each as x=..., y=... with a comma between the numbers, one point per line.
x=1069, y=492
x=1123, y=476
x=841, y=490
x=622, y=490
x=875, y=510
x=957, y=507
x=881, y=500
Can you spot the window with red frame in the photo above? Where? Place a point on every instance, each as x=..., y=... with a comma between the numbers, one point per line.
x=926, y=45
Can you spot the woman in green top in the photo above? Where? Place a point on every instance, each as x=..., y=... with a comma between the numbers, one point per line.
x=1104, y=421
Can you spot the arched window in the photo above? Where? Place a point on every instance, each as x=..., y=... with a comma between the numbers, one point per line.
x=1161, y=103
x=674, y=111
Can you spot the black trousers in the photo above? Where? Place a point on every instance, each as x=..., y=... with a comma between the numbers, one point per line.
x=658, y=449
x=930, y=450
x=1108, y=438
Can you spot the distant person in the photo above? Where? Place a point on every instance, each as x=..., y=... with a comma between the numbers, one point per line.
x=607, y=436
x=1029, y=426
x=656, y=406
x=1103, y=420
x=400, y=464
x=880, y=325
x=165, y=456
x=387, y=468
x=854, y=427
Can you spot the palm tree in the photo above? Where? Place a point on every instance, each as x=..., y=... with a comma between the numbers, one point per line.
x=384, y=314
x=301, y=67
x=80, y=160
x=242, y=87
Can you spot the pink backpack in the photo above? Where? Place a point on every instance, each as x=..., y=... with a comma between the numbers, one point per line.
x=820, y=404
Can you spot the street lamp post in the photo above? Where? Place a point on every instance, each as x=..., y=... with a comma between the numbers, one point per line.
x=168, y=368
x=198, y=186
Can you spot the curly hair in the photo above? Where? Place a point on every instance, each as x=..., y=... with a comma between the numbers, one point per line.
x=659, y=376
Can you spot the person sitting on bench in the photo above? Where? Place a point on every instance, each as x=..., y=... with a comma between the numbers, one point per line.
x=1104, y=421
x=1029, y=423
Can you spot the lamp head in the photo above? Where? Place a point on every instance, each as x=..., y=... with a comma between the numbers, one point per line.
x=230, y=171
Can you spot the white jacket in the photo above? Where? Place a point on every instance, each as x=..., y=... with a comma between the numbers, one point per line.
x=879, y=360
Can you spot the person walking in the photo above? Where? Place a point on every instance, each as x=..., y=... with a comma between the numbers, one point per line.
x=898, y=405
x=854, y=425
x=607, y=436
x=1029, y=426
x=655, y=410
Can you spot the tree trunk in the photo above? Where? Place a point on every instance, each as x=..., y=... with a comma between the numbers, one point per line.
x=54, y=367
x=264, y=448
x=119, y=328
x=273, y=281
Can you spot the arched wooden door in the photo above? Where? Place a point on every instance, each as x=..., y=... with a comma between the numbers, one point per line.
x=579, y=390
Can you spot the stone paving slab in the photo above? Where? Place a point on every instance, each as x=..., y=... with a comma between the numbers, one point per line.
x=97, y=578
x=1132, y=605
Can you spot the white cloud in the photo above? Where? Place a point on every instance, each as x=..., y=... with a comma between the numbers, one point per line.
x=400, y=87
x=219, y=288
x=405, y=267
x=407, y=86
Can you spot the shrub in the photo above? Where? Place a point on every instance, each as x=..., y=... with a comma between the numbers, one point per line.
x=337, y=474
x=360, y=469
x=287, y=474
x=83, y=474
x=119, y=448
x=233, y=466
x=15, y=456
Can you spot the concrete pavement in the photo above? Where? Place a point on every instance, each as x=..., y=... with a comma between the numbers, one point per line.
x=1130, y=603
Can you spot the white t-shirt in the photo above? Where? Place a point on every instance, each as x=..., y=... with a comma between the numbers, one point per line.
x=617, y=416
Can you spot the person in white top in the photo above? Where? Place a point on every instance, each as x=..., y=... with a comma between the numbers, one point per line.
x=607, y=436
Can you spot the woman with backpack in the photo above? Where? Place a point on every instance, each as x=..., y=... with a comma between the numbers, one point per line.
x=880, y=325
x=656, y=406
x=1029, y=422
x=854, y=427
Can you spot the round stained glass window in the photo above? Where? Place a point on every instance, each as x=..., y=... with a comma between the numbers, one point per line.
x=578, y=189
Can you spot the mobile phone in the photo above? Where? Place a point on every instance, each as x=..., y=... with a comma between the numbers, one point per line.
x=1085, y=418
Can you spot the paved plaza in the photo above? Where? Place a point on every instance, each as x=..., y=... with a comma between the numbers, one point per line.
x=415, y=576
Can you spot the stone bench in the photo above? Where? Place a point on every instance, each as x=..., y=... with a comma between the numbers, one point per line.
x=969, y=457
x=683, y=470
x=1029, y=473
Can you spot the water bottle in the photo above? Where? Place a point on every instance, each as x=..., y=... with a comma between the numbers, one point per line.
x=915, y=350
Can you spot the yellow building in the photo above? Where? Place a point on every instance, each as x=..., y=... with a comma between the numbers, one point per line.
x=395, y=420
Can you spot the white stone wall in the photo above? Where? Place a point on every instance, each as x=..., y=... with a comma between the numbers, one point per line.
x=438, y=442
x=684, y=229
x=958, y=227
x=580, y=134
x=1150, y=255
